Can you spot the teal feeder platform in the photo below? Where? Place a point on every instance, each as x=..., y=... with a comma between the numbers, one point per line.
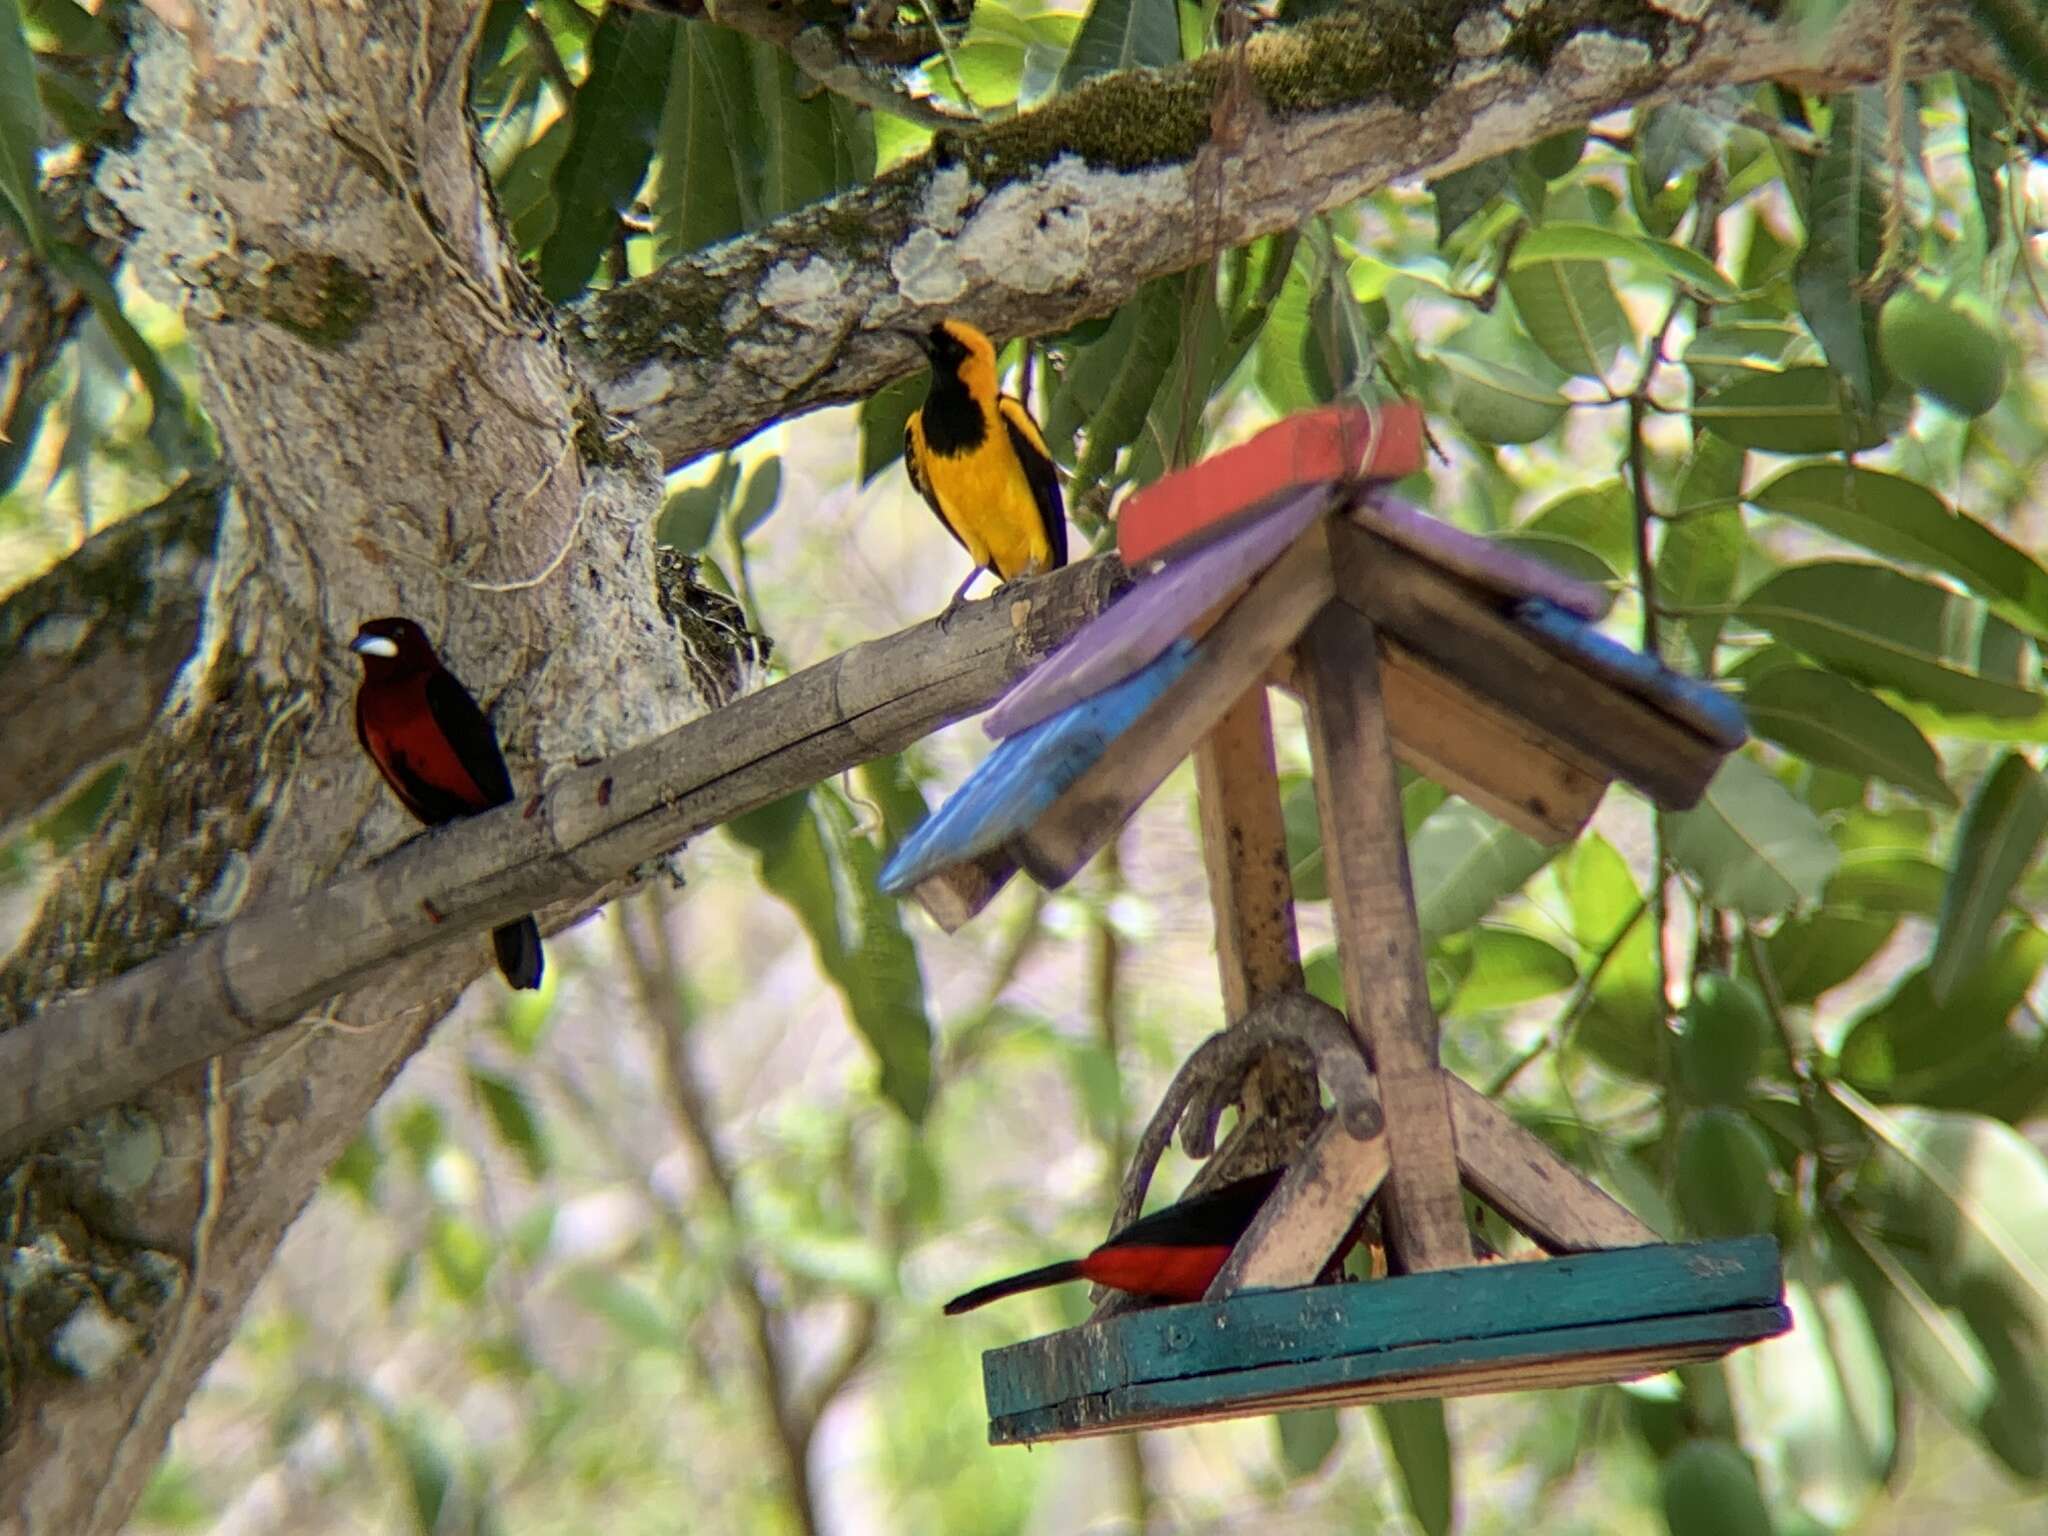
x=1506, y=1327
x=1473, y=664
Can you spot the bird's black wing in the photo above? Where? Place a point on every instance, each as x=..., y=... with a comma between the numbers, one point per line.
x=1040, y=473
x=1219, y=1216
x=470, y=734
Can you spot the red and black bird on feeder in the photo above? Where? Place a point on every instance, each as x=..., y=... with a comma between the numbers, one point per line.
x=437, y=751
x=1171, y=1255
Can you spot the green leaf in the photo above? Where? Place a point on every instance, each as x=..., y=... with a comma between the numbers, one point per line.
x=1998, y=839
x=1845, y=212
x=1565, y=241
x=803, y=152
x=356, y=1169
x=690, y=515
x=882, y=417
x=1903, y=520
x=1968, y=1192
x=512, y=1116
x=1601, y=516
x=1934, y=1346
x=1958, y=1050
x=1111, y=385
x=640, y=1321
x=1988, y=122
x=764, y=489
x=1819, y=950
x=1306, y=1439
x=21, y=129
x=1826, y=719
x=1701, y=554
x=1463, y=861
x=1572, y=311
x=1420, y=1444
x=2021, y=32
x=1499, y=404
x=1464, y=193
x=1753, y=847
x=1818, y=1400
x=1801, y=410
x=1892, y=631
x=701, y=192
x=1510, y=968
x=1624, y=1021
x=616, y=115
x=429, y=1474
x=1122, y=34
x=461, y=1253
x=1739, y=349
x=168, y=428
x=811, y=860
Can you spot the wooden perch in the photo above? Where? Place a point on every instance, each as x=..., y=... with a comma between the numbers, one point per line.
x=591, y=826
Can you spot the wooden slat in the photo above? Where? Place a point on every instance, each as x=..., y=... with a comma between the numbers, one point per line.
x=1303, y=1223
x=1178, y=511
x=1514, y=1171
x=1467, y=636
x=955, y=892
x=1023, y=775
x=1379, y=948
x=1698, y=704
x=1233, y=656
x=1256, y=1328
x=1499, y=568
x=1244, y=850
x=1153, y=614
x=1501, y=762
x=1542, y=1360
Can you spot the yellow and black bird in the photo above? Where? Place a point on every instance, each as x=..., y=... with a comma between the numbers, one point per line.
x=977, y=456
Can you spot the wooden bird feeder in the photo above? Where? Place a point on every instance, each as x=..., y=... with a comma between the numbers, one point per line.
x=1282, y=563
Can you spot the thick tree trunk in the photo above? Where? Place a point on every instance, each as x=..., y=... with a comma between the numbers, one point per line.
x=406, y=437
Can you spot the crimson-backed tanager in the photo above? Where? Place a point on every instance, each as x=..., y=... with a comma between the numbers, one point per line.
x=436, y=751
x=1171, y=1255
x=978, y=458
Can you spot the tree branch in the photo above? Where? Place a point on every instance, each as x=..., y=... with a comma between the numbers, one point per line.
x=592, y=826
x=88, y=649
x=1035, y=223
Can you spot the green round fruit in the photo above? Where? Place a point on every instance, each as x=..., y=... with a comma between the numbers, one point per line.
x=1723, y=1039
x=1724, y=1174
x=1710, y=1489
x=1949, y=351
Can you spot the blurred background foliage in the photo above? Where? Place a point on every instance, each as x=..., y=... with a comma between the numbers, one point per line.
x=664, y=1244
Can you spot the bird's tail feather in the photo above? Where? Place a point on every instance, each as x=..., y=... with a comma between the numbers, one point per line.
x=1030, y=1280
x=518, y=947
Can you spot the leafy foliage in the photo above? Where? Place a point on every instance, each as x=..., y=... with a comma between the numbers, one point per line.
x=1765, y=364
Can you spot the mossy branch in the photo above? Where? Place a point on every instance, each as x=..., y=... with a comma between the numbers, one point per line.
x=1032, y=224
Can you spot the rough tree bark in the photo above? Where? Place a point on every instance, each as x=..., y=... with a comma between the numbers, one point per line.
x=406, y=436
x=409, y=430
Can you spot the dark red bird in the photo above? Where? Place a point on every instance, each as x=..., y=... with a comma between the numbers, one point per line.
x=1171, y=1255
x=436, y=751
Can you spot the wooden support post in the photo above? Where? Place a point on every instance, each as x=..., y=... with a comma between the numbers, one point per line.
x=1304, y=1221
x=1379, y=947
x=1515, y=1172
x=1244, y=847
